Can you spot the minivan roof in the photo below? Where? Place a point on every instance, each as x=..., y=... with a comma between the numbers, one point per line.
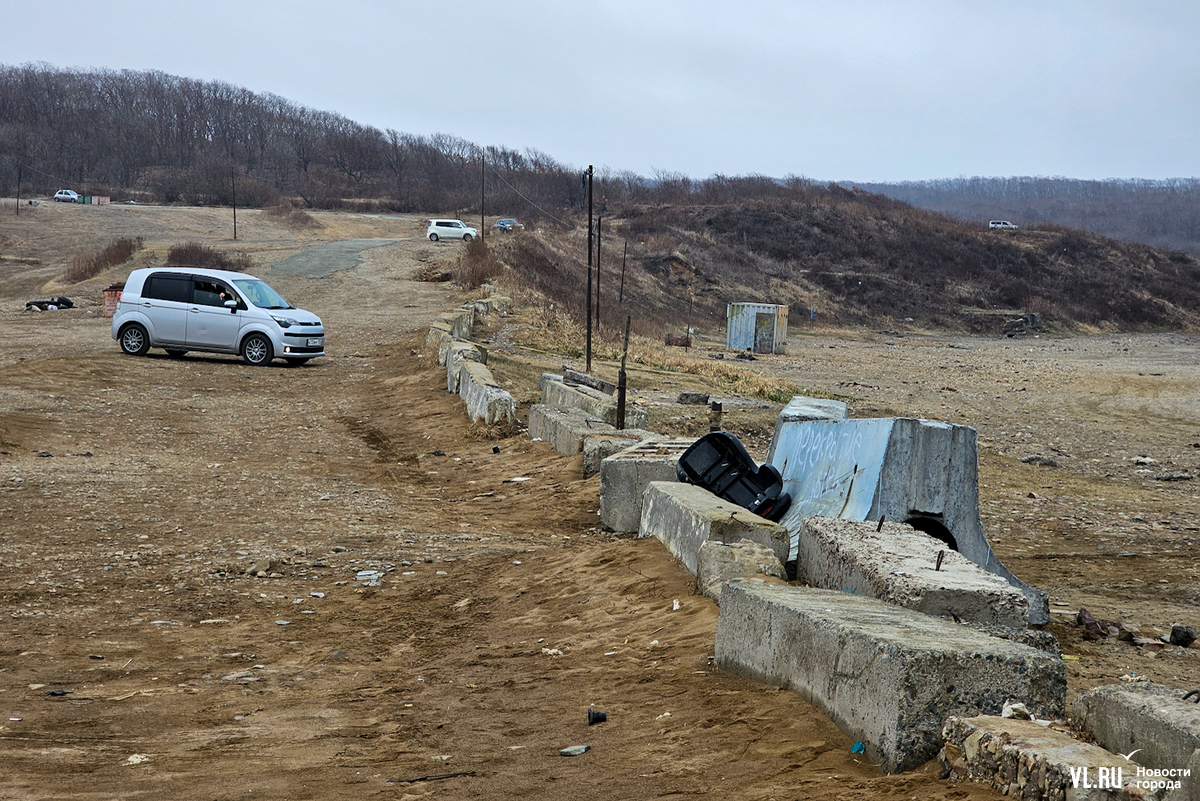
x=228, y=275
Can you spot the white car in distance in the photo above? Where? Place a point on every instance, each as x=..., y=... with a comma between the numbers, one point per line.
x=450, y=229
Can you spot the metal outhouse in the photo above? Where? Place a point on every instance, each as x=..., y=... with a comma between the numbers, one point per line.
x=757, y=327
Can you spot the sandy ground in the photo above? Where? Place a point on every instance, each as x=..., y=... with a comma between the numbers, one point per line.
x=136, y=493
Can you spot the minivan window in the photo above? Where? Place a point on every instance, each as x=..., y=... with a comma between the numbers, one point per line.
x=261, y=295
x=211, y=293
x=168, y=287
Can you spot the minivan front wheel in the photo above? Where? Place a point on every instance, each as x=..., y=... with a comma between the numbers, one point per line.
x=466, y=237
x=257, y=350
x=134, y=340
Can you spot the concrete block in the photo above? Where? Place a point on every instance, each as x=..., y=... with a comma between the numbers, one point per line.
x=1027, y=761
x=439, y=332
x=898, y=564
x=719, y=562
x=598, y=447
x=487, y=402
x=887, y=676
x=625, y=475
x=1145, y=717
x=460, y=322
x=591, y=402
x=684, y=516
x=920, y=472
x=457, y=353
x=564, y=430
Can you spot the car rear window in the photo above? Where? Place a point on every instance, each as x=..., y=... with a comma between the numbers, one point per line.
x=169, y=287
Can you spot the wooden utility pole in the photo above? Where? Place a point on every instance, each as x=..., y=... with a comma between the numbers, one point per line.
x=624, y=253
x=482, y=174
x=233, y=180
x=621, y=380
x=588, y=368
x=18, y=190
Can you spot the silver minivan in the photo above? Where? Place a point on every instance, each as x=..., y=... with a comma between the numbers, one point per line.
x=191, y=308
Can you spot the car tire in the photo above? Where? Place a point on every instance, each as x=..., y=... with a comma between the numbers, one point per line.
x=466, y=237
x=433, y=237
x=257, y=350
x=176, y=354
x=134, y=339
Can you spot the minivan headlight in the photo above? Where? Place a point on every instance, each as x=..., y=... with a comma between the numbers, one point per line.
x=284, y=322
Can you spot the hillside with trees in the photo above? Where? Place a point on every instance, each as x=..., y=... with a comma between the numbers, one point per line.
x=857, y=257
x=1164, y=214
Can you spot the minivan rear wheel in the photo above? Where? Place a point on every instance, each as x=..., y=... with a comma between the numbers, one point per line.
x=134, y=340
x=433, y=237
x=257, y=350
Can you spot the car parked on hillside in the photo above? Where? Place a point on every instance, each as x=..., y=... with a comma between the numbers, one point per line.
x=1002, y=224
x=507, y=226
x=191, y=308
x=66, y=196
x=450, y=229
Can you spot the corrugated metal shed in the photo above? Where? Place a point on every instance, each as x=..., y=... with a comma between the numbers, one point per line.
x=758, y=327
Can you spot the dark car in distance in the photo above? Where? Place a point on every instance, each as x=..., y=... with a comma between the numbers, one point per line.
x=507, y=226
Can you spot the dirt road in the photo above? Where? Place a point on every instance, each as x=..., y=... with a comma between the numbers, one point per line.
x=184, y=544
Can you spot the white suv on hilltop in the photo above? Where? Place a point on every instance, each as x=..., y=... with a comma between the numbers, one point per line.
x=190, y=308
x=450, y=229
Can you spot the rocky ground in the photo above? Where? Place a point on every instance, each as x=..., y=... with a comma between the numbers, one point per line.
x=190, y=548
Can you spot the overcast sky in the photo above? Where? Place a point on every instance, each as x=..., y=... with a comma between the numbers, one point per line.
x=846, y=90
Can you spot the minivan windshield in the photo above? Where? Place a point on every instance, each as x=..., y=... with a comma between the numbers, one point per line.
x=261, y=295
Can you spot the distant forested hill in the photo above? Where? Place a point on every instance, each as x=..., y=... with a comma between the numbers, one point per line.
x=1164, y=214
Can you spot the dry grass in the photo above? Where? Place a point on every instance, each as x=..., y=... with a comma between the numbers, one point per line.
x=89, y=265
x=476, y=266
x=286, y=212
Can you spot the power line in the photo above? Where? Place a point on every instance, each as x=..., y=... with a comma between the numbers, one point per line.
x=527, y=200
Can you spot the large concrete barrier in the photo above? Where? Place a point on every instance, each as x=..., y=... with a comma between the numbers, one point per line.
x=887, y=676
x=598, y=447
x=1148, y=719
x=487, y=402
x=564, y=429
x=720, y=562
x=1027, y=761
x=685, y=516
x=625, y=475
x=591, y=402
x=898, y=564
x=919, y=472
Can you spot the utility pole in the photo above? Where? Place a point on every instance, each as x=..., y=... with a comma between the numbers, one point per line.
x=624, y=253
x=482, y=227
x=588, y=368
x=18, y=190
x=621, y=379
x=233, y=180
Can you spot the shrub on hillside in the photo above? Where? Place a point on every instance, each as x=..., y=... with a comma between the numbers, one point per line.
x=193, y=254
x=89, y=265
x=476, y=266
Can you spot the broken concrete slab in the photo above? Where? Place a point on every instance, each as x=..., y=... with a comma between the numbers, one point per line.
x=684, y=516
x=598, y=447
x=896, y=563
x=1151, y=720
x=719, y=562
x=460, y=322
x=920, y=472
x=1027, y=761
x=564, y=429
x=625, y=475
x=887, y=676
x=591, y=402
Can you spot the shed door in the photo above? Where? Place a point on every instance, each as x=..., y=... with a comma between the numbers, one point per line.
x=764, y=333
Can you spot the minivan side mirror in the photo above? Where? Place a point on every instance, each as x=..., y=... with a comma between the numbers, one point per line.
x=232, y=306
